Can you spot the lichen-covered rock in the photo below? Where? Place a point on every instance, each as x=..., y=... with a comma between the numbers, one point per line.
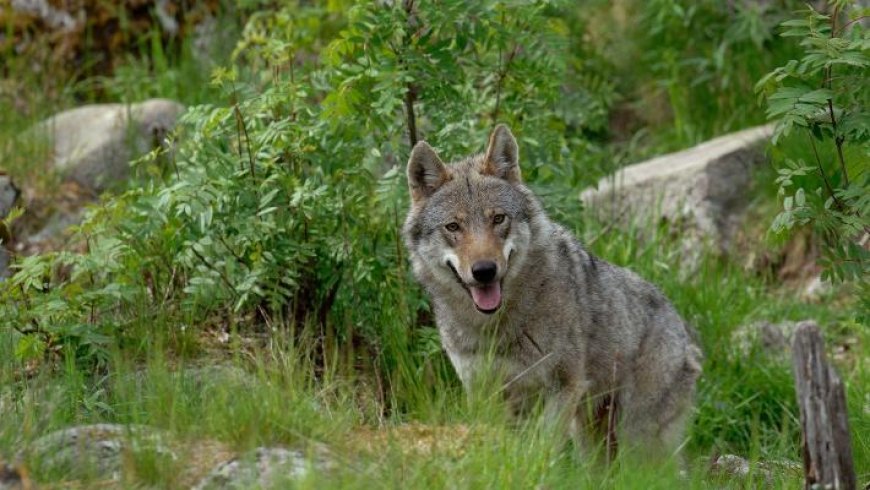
x=701, y=191
x=94, y=451
x=264, y=467
x=94, y=144
x=773, y=339
x=761, y=474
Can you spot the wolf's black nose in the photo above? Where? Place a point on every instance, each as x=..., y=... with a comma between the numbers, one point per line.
x=484, y=270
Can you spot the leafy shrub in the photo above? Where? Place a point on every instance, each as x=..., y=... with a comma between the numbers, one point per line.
x=824, y=96
x=705, y=56
x=283, y=207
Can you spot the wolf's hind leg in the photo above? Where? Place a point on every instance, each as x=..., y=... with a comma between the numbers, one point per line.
x=658, y=403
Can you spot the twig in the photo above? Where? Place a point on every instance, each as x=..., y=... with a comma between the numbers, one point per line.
x=411, y=92
x=410, y=98
x=838, y=140
x=610, y=438
x=525, y=371
x=608, y=227
x=220, y=273
x=829, y=71
x=502, y=75
x=847, y=24
x=232, y=252
x=170, y=286
x=822, y=173
x=241, y=123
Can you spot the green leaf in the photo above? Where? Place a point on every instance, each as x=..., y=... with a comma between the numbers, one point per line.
x=29, y=347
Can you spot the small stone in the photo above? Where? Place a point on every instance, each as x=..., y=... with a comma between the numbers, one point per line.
x=264, y=467
x=94, y=451
x=761, y=474
x=817, y=288
x=730, y=465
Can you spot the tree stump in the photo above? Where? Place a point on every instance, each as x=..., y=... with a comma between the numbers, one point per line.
x=827, y=452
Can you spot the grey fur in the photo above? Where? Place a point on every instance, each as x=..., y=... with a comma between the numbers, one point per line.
x=584, y=334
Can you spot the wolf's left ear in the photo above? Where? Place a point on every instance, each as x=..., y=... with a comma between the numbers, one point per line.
x=502, y=158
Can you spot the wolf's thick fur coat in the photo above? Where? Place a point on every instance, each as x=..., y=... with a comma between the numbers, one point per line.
x=603, y=347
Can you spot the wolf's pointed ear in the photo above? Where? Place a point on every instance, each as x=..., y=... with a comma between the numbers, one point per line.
x=426, y=172
x=502, y=158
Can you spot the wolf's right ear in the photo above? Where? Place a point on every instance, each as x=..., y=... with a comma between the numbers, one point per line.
x=426, y=172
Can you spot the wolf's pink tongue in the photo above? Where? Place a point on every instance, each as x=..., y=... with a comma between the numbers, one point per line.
x=486, y=297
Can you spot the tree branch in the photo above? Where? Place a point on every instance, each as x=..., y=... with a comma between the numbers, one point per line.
x=838, y=140
x=240, y=122
x=411, y=92
x=829, y=71
x=822, y=172
x=220, y=273
x=503, y=71
x=410, y=98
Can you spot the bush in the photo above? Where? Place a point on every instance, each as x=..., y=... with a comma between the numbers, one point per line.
x=283, y=207
x=824, y=96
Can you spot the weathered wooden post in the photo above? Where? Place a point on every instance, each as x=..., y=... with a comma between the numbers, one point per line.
x=827, y=451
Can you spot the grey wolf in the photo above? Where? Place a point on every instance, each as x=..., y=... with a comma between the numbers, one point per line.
x=604, y=350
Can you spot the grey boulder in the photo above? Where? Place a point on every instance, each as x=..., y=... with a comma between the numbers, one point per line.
x=701, y=190
x=93, y=145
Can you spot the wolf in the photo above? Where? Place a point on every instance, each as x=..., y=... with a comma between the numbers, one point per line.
x=603, y=350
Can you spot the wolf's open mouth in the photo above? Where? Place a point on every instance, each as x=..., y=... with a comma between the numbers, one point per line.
x=486, y=298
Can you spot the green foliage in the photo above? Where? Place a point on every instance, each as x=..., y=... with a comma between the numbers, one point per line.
x=283, y=206
x=824, y=95
x=705, y=56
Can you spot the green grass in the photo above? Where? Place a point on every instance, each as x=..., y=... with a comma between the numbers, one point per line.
x=267, y=395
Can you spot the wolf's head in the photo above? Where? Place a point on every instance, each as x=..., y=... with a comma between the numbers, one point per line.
x=469, y=223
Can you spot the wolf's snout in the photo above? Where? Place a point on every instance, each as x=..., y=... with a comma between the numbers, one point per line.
x=484, y=271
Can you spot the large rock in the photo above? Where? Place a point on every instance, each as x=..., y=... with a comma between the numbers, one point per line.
x=93, y=145
x=701, y=190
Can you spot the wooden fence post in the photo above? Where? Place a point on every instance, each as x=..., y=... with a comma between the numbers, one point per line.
x=827, y=452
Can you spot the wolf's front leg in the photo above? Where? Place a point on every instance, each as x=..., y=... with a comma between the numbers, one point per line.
x=561, y=417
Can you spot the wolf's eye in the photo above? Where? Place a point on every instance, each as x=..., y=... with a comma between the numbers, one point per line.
x=498, y=219
x=452, y=226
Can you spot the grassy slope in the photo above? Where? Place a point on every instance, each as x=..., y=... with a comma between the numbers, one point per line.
x=745, y=404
